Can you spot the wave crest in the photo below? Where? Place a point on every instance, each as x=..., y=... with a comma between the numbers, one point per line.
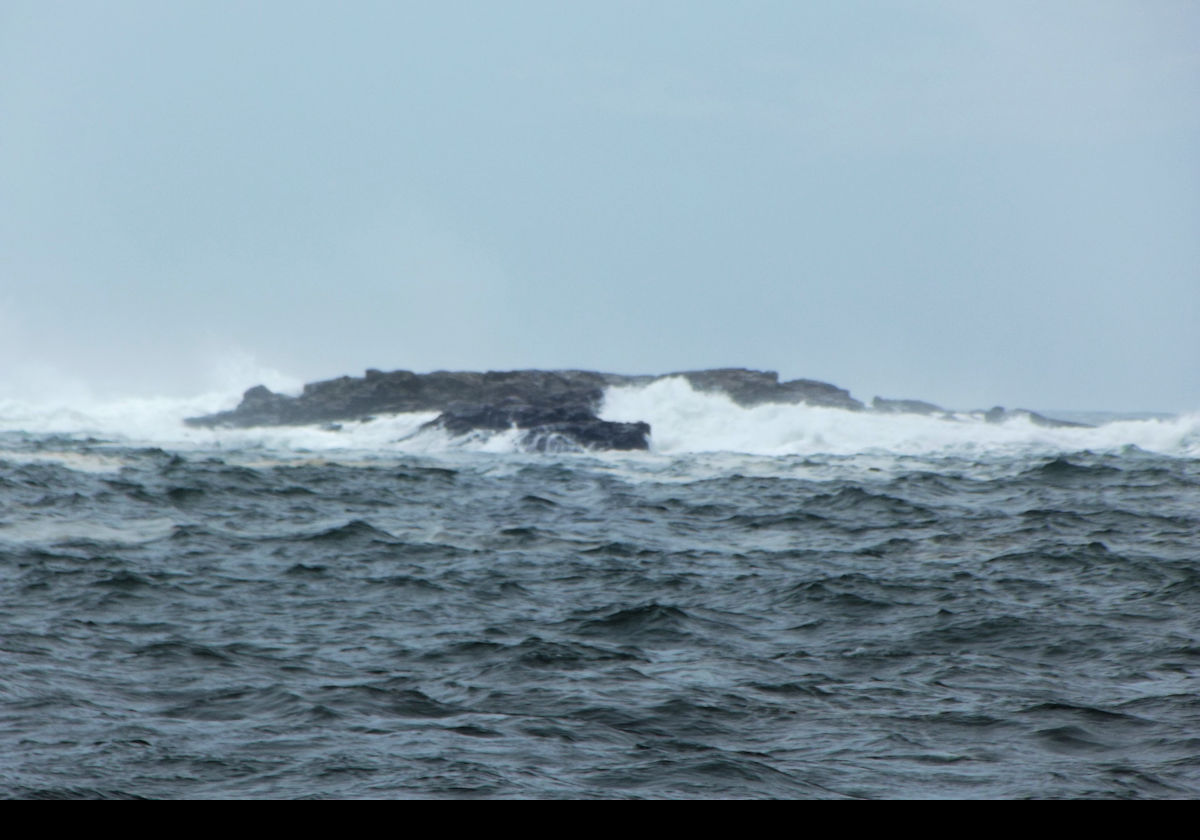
x=683, y=420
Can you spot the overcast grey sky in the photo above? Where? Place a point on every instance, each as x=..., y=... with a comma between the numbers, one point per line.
x=972, y=203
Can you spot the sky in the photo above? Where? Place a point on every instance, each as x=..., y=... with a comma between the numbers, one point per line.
x=969, y=203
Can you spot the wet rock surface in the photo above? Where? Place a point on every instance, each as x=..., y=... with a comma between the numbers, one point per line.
x=999, y=414
x=549, y=426
x=557, y=407
x=906, y=406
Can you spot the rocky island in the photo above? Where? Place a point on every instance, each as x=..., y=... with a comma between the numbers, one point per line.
x=552, y=407
x=547, y=404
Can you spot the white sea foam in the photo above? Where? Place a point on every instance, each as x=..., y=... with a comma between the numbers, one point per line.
x=90, y=462
x=683, y=421
x=126, y=532
x=43, y=401
x=686, y=421
x=159, y=422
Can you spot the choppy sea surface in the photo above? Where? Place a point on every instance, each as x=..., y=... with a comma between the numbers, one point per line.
x=782, y=601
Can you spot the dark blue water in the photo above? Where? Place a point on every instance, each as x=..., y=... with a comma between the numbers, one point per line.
x=213, y=623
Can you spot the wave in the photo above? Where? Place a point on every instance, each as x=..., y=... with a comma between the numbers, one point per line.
x=683, y=421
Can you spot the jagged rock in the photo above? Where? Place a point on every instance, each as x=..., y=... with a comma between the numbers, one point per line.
x=999, y=414
x=547, y=426
x=595, y=434
x=906, y=406
x=350, y=398
x=755, y=387
x=555, y=408
x=459, y=419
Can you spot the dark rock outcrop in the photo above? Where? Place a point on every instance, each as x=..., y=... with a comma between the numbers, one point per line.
x=547, y=426
x=999, y=414
x=557, y=408
x=906, y=406
x=554, y=409
x=756, y=387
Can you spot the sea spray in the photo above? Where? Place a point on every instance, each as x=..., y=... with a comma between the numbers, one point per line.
x=684, y=420
x=776, y=600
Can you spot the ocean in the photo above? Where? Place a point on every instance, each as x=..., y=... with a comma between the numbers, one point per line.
x=778, y=601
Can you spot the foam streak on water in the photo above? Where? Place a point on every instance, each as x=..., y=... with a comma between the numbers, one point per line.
x=779, y=601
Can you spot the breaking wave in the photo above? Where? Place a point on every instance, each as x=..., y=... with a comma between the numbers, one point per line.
x=682, y=420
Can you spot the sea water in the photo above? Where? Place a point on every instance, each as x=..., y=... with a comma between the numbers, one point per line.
x=778, y=601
